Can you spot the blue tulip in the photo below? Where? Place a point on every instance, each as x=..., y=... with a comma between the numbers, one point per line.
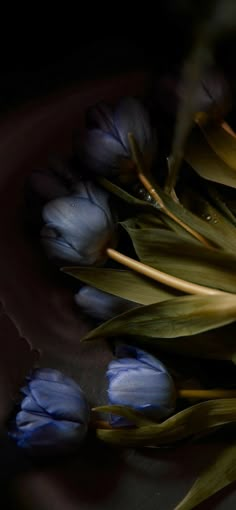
x=79, y=227
x=139, y=380
x=101, y=305
x=54, y=412
x=107, y=151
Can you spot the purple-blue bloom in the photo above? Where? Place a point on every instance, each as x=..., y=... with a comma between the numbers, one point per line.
x=139, y=380
x=53, y=414
x=78, y=228
x=101, y=305
x=106, y=149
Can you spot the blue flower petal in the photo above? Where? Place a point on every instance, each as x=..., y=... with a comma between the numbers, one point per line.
x=104, y=152
x=140, y=381
x=131, y=117
x=143, y=356
x=101, y=116
x=53, y=375
x=53, y=412
x=60, y=401
x=101, y=305
x=26, y=421
x=53, y=434
x=82, y=227
x=57, y=247
x=29, y=404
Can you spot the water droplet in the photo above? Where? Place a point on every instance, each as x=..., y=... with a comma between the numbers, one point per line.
x=208, y=217
x=215, y=221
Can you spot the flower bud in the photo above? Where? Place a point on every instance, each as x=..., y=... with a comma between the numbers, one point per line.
x=101, y=305
x=107, y=150
x=53, y=413
x=139, y=380
x=78, y=228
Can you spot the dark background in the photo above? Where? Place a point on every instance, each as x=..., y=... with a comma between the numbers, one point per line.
x=41, y=56
x=87, y=47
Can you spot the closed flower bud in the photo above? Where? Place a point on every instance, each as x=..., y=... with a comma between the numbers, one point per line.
x=78, y=228
x=101, y=305
x=53, y=413
x=139, y=380
x=107, y=150
x=212, y=95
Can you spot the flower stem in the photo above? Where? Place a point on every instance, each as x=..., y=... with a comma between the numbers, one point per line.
x=159, y=276
x=206, y=394
x=151, y=190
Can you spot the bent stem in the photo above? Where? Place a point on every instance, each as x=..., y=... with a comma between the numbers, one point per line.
x=148, y=186
x=206, y=394
x=159, y=276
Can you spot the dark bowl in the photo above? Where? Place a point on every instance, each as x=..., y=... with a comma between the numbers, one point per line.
x=38, y=305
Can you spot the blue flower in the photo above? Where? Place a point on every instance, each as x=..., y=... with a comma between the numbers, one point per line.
x=139, y=380
x=101, y=305
x=79, y=227
x=106, y=150
x=54, y=412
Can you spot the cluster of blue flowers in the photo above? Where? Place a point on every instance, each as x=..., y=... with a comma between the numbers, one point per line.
x=78, y=225
x=54, y=413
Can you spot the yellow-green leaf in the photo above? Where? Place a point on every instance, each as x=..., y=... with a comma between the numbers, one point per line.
x=164, y=250
x=177, y=317
x=222, y=143
x=206, y=162
x=216, y=475
x=224, y=241
x=194, y=420
x=137, y=418
x=122, y=283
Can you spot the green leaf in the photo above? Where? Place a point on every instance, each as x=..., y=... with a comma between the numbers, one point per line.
x=122, y=283
x=144, y=220
x=209, y=230
x=203, y=227
x=164, y=250
x=194, y=420
x=136, y=417
x=125, y=196
x=162, y=324
x=217, y=475
x=218, y=199
x=206, y=200
x=221, y=142
x=206, y=162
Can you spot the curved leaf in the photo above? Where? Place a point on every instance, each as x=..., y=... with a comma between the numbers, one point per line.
x=206, y=161
x=222, y=143
x=162, y=324
x=217, y=475
x=164, y=250
x=192, y=421
x=122, y=283
x=208, y=230
x=136, y=417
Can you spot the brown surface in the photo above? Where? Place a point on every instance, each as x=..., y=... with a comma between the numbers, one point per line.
x=41, y=306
